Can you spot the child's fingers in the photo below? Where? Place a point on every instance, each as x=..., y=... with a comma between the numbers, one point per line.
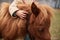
x=23, y=16
x=25, y=12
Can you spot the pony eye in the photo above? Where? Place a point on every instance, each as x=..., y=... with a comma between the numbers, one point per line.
x=40, y=30
x=41, y=25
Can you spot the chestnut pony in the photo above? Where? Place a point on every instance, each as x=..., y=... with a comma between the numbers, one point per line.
x=40, y=21
x=36, y=24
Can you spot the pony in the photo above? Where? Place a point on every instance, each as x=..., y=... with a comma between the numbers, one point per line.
x=40, y=21
x=36, y=24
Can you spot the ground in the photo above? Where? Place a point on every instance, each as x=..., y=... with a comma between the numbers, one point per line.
x=55, y=26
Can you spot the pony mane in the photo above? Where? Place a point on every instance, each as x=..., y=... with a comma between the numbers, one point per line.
x=10, y=26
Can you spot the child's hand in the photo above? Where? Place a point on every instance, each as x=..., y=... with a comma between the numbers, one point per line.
x=22, y=14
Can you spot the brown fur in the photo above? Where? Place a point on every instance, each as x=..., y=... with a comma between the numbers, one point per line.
x=12, y=28
x=40, y=23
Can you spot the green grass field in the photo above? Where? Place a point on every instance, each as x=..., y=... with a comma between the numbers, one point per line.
x=55, y=26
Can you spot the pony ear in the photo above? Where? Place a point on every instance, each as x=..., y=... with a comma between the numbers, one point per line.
x=35, y=9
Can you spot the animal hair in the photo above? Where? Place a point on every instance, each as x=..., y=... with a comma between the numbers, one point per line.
x=40, y=22
x=10, y=26
x=40, y=17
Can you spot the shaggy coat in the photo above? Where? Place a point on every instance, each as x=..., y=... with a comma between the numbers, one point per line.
x=37, y=23
x=12, y=28
x=40, y=21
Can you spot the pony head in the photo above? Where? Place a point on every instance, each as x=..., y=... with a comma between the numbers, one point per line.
x=40, y=21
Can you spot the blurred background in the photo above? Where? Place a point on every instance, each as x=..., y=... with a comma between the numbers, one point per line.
x=53, y=3
x=55, y=24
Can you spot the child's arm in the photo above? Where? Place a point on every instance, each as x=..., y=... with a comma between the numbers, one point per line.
x=13, y=7
x=15, y=11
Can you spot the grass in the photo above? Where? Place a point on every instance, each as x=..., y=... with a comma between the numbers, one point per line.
x=55, y=26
